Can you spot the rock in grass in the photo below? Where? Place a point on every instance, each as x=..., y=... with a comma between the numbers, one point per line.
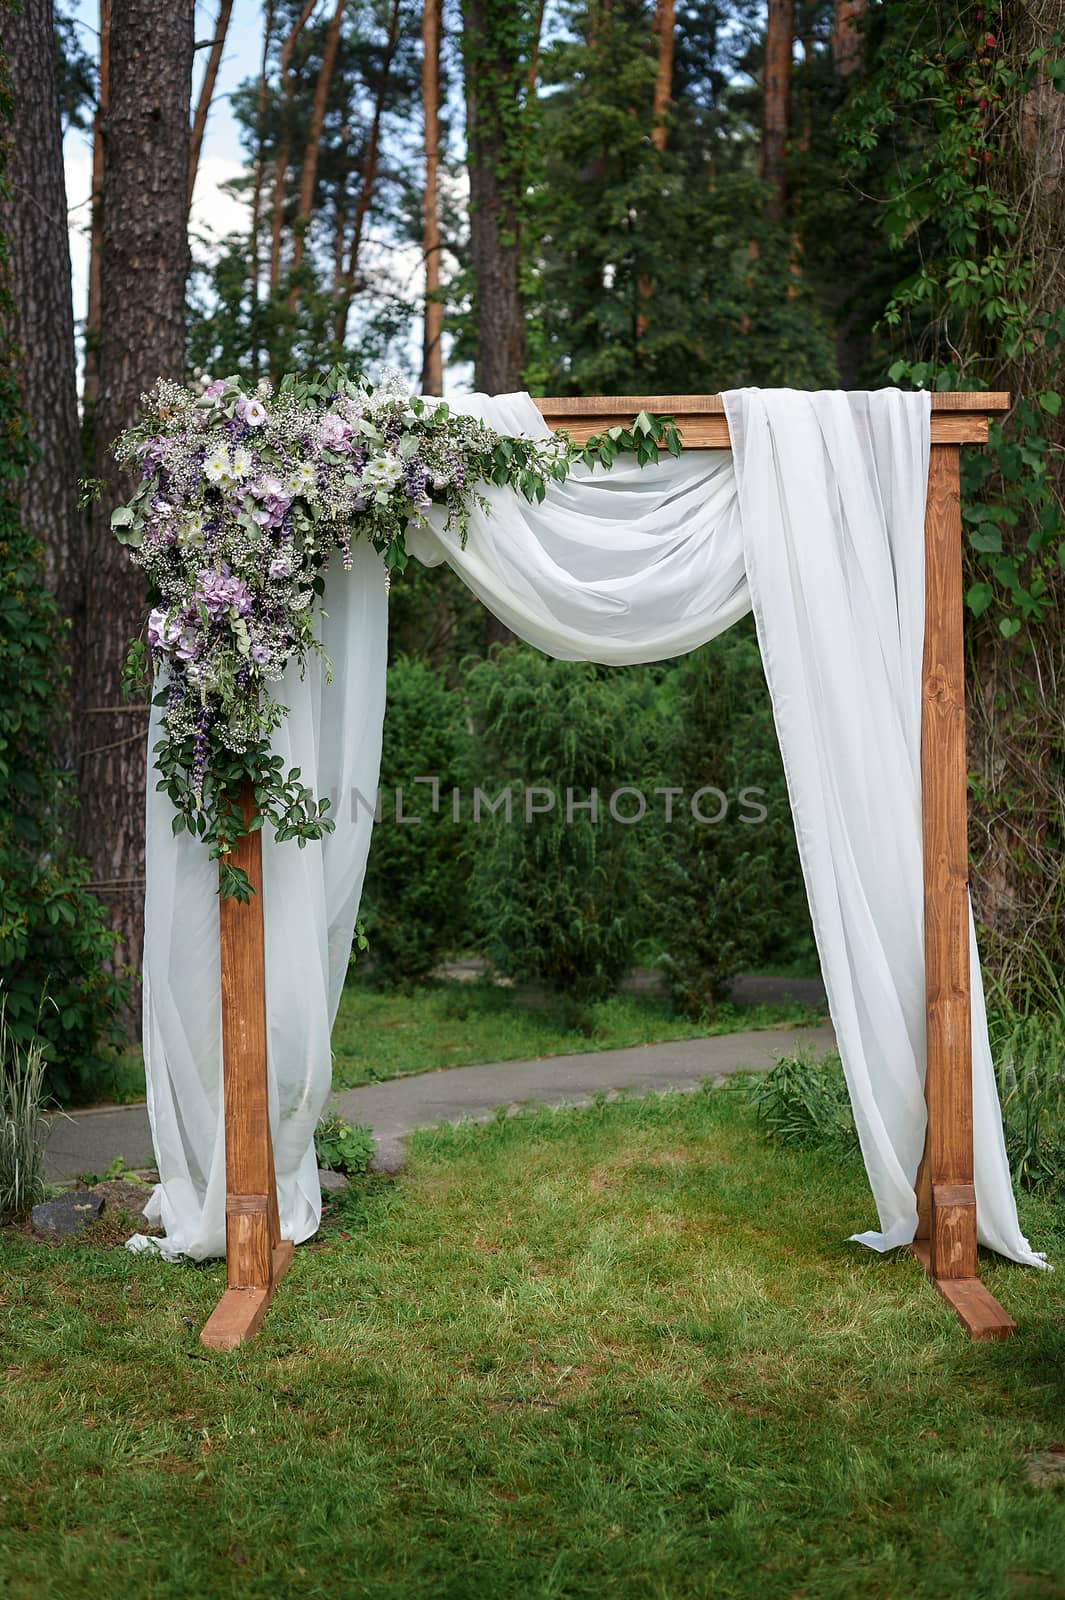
x=389, y=1156
x=120, y=1194
x=67, y=1215
x=331, y=1182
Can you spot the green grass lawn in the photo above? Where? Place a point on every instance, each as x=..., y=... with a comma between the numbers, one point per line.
x=389, y=1034
x=614, y=1354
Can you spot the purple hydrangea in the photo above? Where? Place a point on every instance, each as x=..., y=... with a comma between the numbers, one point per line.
x=220, y=590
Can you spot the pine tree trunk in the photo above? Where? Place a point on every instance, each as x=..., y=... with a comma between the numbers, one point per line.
x=853, y=335
x=210, y=77
x=284, y=149
x=309, y=170
x=494, y=75
x=144, y=266
x=432, y=352
x=369, y=180
x=254, y=243
x=91, y=381
x=663, y=31
x=846, y=39
x=776, y=89
x=34, y=222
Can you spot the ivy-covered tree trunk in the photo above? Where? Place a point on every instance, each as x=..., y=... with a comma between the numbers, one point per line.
x=144, y=266
x=34, y=222
x=495, y=59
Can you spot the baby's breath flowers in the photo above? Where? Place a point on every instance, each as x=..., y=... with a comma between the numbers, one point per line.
x=243, y=500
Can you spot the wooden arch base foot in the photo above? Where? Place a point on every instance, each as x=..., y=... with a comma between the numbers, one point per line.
x=236, y=1317
x=972, y=1303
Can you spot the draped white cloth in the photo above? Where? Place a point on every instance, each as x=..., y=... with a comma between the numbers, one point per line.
x=816, y=519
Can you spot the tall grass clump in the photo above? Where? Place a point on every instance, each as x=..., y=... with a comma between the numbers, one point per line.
x=22, y=1073
x=804, y=1101
x=1029, y=1053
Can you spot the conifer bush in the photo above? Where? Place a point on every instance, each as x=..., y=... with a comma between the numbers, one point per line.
x=557, y=899
x=731, y=896
x=414, y=904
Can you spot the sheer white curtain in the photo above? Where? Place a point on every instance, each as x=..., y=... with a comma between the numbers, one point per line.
x=817, y=520
x=310, y=901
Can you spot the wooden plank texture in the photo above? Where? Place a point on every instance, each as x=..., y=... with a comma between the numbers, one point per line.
x=972, y=1303
x=255, y=1254
x=239, y=1313
x=948, y=1085
x=957, y=418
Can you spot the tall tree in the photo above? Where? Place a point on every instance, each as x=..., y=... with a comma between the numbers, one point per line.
x=846, y=36
x=91, y=378
x=497, y=47
x=432, y=352
x=207, y=88
x=34, y=221
x=144, y=266
x=309, y=170
x=663, y=33
x=776, y=95
x=284, y=143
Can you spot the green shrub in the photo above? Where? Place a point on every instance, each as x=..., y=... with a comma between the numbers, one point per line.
x=414, y=903
x=803, y=1101
x=54, y=935
x=342, y=1146
x=555, y=901
x=731, y=895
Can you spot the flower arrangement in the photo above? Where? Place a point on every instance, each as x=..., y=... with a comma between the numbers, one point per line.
x=244, y=499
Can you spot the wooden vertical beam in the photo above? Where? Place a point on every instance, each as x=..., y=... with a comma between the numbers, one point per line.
x=256, y=1256
x=946, y=1196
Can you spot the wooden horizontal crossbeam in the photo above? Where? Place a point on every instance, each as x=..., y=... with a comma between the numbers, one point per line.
x=957, y=418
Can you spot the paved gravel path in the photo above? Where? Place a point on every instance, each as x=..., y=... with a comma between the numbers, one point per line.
x=88, y=1141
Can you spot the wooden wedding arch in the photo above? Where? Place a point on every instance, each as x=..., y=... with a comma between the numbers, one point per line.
x=256, y=1256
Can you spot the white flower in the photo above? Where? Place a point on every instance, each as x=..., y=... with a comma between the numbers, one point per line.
x=242, y=462
x=382, y=472
x=302, y=480
x=216, y=467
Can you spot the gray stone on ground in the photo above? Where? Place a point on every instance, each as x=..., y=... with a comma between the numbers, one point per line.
x=389, y=1156
x=1045, y=1466
x=121, y=1194
x=67, y=1215
x=331, y=1182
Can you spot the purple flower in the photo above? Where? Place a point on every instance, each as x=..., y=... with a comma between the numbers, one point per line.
x=281, y=567
x=335, y=434
x=260, y=655
x=215, y=388
x=221, y=590
x=252, y=412
x=163, y=631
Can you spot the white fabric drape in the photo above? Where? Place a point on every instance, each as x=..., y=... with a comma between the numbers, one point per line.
x=816, y=519
x=310, y=902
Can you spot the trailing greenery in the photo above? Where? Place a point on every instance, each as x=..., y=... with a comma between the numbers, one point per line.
x=56, y=980
x=624, y=1351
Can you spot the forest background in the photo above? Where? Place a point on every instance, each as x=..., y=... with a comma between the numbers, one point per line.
x=621, y=197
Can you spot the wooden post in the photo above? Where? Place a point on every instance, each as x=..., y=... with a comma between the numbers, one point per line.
x=946, y=1236
x=256, y=1255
